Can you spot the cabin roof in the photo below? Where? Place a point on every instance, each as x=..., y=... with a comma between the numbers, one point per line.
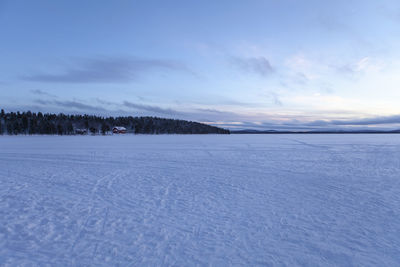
x=119, y=128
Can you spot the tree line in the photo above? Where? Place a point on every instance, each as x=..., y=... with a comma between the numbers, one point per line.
x=14, y=123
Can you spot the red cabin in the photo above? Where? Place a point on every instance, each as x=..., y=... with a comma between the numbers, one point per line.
x=119, y=130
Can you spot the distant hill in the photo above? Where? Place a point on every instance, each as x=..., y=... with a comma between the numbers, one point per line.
x=61, y=124
x=251, y=131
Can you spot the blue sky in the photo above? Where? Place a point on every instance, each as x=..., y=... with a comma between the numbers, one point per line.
x=240, y=64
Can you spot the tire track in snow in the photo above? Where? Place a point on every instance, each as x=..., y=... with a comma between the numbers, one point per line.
x=107, y=180
x=308, y=144
x=101, y=232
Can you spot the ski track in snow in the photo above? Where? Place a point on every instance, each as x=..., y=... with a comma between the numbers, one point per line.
x=202, y=200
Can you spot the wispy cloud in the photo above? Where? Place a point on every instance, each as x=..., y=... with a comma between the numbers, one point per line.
x=74, y=104
x=126, y=107
x=152, y=108
x=365, y=65
x=192, y=113
x=43, y=102
x=79, y=105
x=257, y=65
x=41, y=93
x=108, y=70
x=395, y=119
x=377, y=123
x=214, y=111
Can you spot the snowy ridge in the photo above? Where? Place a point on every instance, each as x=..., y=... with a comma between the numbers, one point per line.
x=294, y=200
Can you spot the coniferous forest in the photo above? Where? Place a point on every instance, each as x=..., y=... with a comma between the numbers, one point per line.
x=14, y=123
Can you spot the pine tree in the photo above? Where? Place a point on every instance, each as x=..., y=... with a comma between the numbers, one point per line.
x=9, y=127
x=24, y=125
x=16, y=128
x=60, y=129
x=104, y=128
x=93, y=130
x=33, y=126
x=70, y=128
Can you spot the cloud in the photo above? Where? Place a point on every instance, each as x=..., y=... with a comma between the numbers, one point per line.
x=300, y=78
x=263, y=126
x=275, y=99
x=211, y=110
x=43, y=102
x=41, y=93
x=70, y=105
x=108, y=70
x=395, y=119
x=365, y=66
x=78, y=105
x=151, y=108
x=126, y=107
x=257, y=65
x=384, y=123
x=199, y=114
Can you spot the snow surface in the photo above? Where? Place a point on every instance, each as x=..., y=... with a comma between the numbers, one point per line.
x=315, y=200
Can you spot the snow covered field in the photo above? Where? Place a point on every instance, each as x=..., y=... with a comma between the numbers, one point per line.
x=200, y=200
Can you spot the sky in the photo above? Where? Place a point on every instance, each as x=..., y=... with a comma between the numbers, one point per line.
x=267, y=65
